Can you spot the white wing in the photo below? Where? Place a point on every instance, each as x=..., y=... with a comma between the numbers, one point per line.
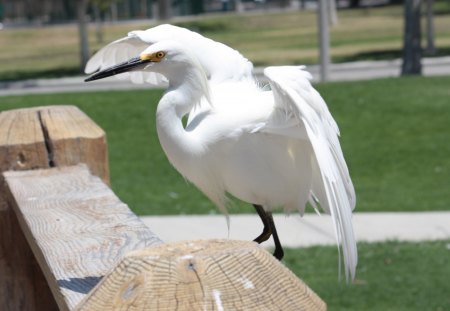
x=302, y=113
x=120, y=51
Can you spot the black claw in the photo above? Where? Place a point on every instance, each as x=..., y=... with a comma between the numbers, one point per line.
x=267, y=231
x=278, y=253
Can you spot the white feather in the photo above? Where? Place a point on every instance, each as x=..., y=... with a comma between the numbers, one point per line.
x=331, y=182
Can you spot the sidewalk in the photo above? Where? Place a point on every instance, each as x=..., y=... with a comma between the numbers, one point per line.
x=362, y=70
x=309, y=230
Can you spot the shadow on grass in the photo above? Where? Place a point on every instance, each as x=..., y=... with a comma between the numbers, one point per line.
x=9, y=76
x=388, y=55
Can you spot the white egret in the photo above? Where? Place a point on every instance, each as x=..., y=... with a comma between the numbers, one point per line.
x=275, y=148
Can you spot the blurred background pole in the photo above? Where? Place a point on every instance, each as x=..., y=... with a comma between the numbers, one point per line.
x=430, y=49
x=324, y=40
x=83, y=33
x=412, y=48
x=164, y=9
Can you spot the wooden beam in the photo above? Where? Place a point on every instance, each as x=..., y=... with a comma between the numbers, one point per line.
x=201, y=275
x=34, y=138
x=81, y=235
x=76, y=227
x=74, y=138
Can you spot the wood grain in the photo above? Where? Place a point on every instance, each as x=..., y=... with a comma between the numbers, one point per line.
x=74, y=138
x=201, y=275
x=76, y=226
x=29, y=139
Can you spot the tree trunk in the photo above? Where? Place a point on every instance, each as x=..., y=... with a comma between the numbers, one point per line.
x=83, y=33
x=239, y=6
x=354, y=4
x=412, y=51
x=114, y=13
x=430, y=49
x=98, y=24
x=164, y=9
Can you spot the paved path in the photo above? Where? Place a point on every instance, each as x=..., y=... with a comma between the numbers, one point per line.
x=338, y=72
x=312, y=229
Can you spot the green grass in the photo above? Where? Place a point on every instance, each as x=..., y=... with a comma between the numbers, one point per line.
x=395, y=137
x=265, y=38
x=390, y=276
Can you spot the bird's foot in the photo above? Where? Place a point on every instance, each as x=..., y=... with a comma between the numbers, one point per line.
x=264, y=236
x=278, y=253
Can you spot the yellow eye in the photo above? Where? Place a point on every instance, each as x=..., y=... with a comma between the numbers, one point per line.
x=160, y=54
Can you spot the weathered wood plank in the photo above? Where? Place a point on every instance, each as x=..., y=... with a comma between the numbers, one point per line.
x=22, y=144
x=48, y=136
x=22, y=283
x=76, y=227
x=73, y=138
x=29, y=139
x=201, y=275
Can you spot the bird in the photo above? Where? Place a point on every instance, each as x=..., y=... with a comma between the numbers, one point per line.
x=276, y=148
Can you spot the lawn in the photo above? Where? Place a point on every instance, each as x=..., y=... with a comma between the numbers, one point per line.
x=395, y=137
x=390, y=276
x=265, y=38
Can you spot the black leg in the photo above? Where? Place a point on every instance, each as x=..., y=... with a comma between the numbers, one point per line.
x=278, y=253
x=267, y=232
x=269, y=229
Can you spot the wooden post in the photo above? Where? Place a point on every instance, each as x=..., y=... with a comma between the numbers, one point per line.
x=93, y=252
x=29, y=139
x=76, y=227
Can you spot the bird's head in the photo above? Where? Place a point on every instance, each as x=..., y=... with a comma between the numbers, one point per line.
x=168, y=58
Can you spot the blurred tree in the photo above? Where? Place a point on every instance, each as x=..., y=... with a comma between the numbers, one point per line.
x=354, y=4
x=412, y=50
x=99, y=8
x=284, y=3
x=164, y=9
x=430, y=49
x=68, y=9
x=1, y=11
x=197, y=7
x=82, y=6
x=239, y=6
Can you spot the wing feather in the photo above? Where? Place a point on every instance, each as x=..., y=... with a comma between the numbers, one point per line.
x=297, y=102
x=122, y=50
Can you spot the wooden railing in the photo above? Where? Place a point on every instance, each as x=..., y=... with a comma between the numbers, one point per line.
x=68, y=243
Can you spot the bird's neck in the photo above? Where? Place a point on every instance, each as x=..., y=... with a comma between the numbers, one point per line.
x=180, y=146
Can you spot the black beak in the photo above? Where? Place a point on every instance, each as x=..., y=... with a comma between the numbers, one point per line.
x=129, y=65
